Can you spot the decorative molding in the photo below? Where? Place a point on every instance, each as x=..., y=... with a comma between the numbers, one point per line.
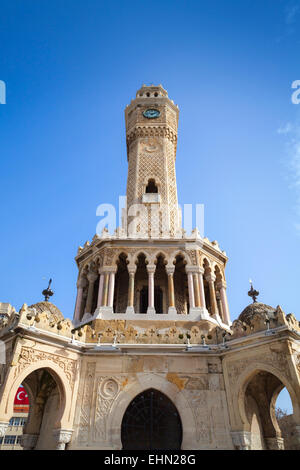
x=30, y=356
x=108, y=389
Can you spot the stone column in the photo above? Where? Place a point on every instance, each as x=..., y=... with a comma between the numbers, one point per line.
x=191, y=289
x=111, y=289
x=62, y=437
x=212, y=293
x=201, y=289
x=151, y=270
x=105, y=290
x=219, y=304
x=274, y=443
x=100, y=290
x=29, y=441
x=170, y=272
x=91, y=278
x=80, y=285
x=196, y=290
x=130, y=302
x=241, y=440
x=226, y=317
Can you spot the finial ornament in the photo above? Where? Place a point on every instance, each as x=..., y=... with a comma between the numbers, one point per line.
x=252, y=292
x=48, y=292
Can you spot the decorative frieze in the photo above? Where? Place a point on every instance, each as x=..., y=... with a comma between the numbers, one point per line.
x=30, y=356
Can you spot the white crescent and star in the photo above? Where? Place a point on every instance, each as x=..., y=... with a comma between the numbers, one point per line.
x=19, y=393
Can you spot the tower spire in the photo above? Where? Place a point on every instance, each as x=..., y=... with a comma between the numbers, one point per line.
x=252, y=292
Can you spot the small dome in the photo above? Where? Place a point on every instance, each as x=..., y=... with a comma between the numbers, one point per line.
x=49, y=308
x=257, y=308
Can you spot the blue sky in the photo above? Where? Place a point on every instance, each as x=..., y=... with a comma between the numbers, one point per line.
x=70, y=69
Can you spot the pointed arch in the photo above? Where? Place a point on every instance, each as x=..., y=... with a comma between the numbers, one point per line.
x=146, y=381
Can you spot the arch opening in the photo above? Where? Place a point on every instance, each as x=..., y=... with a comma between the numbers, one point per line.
x=181, y=286
x=46, y=406
x=141, y=283
x=285, y=419
x=121, y=285
x=261, y=394
x=151, y=187
x=161, y=285
x=151, y=422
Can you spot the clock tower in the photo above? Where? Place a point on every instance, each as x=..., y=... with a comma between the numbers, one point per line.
x=151, y=135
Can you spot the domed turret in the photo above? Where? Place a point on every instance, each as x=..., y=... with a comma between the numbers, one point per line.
x=254, y=309
x=50, y=308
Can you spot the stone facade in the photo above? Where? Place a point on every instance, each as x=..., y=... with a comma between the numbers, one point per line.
x=151, y=323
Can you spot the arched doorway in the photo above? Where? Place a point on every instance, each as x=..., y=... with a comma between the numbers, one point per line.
x=261, y=393
x=46, y=407
x=150, y=422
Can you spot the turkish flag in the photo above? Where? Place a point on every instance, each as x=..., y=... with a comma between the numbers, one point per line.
x=21, y=397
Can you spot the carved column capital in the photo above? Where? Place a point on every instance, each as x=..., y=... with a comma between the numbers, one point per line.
x=222, y=283
x=81, y=282
x=151, y=268
x=241, y=440
x=100, y=271
x=131, y=268
x=297, y=429
x=3, y=427
x=170, y=269
x=210, y=278
x=274, y=443
x=92, y=276
x=62, y=437
x=192, y=269
x=108, y=269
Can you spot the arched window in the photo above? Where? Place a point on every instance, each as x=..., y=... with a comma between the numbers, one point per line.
x=151, y=187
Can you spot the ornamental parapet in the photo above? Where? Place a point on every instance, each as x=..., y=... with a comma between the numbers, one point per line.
x=151, y=131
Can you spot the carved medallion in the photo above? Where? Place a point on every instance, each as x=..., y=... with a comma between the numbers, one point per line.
x=109, y=389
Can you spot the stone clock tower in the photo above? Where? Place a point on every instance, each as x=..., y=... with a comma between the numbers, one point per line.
x=151, y=135
x=151, y=360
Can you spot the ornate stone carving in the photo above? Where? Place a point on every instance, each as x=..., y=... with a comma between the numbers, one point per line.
x=3, y=427
x=158, y=131
x=274, y=443
x=241, y=440
x=276, y=358
x=29, y=356
x=199, y=405
x=108, y=389
x=151, y=144
x=85, y=412
x=298, y=363
x=109, y=254
x=62, y=437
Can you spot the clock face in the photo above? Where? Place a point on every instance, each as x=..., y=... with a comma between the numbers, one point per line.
x=151, y=113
